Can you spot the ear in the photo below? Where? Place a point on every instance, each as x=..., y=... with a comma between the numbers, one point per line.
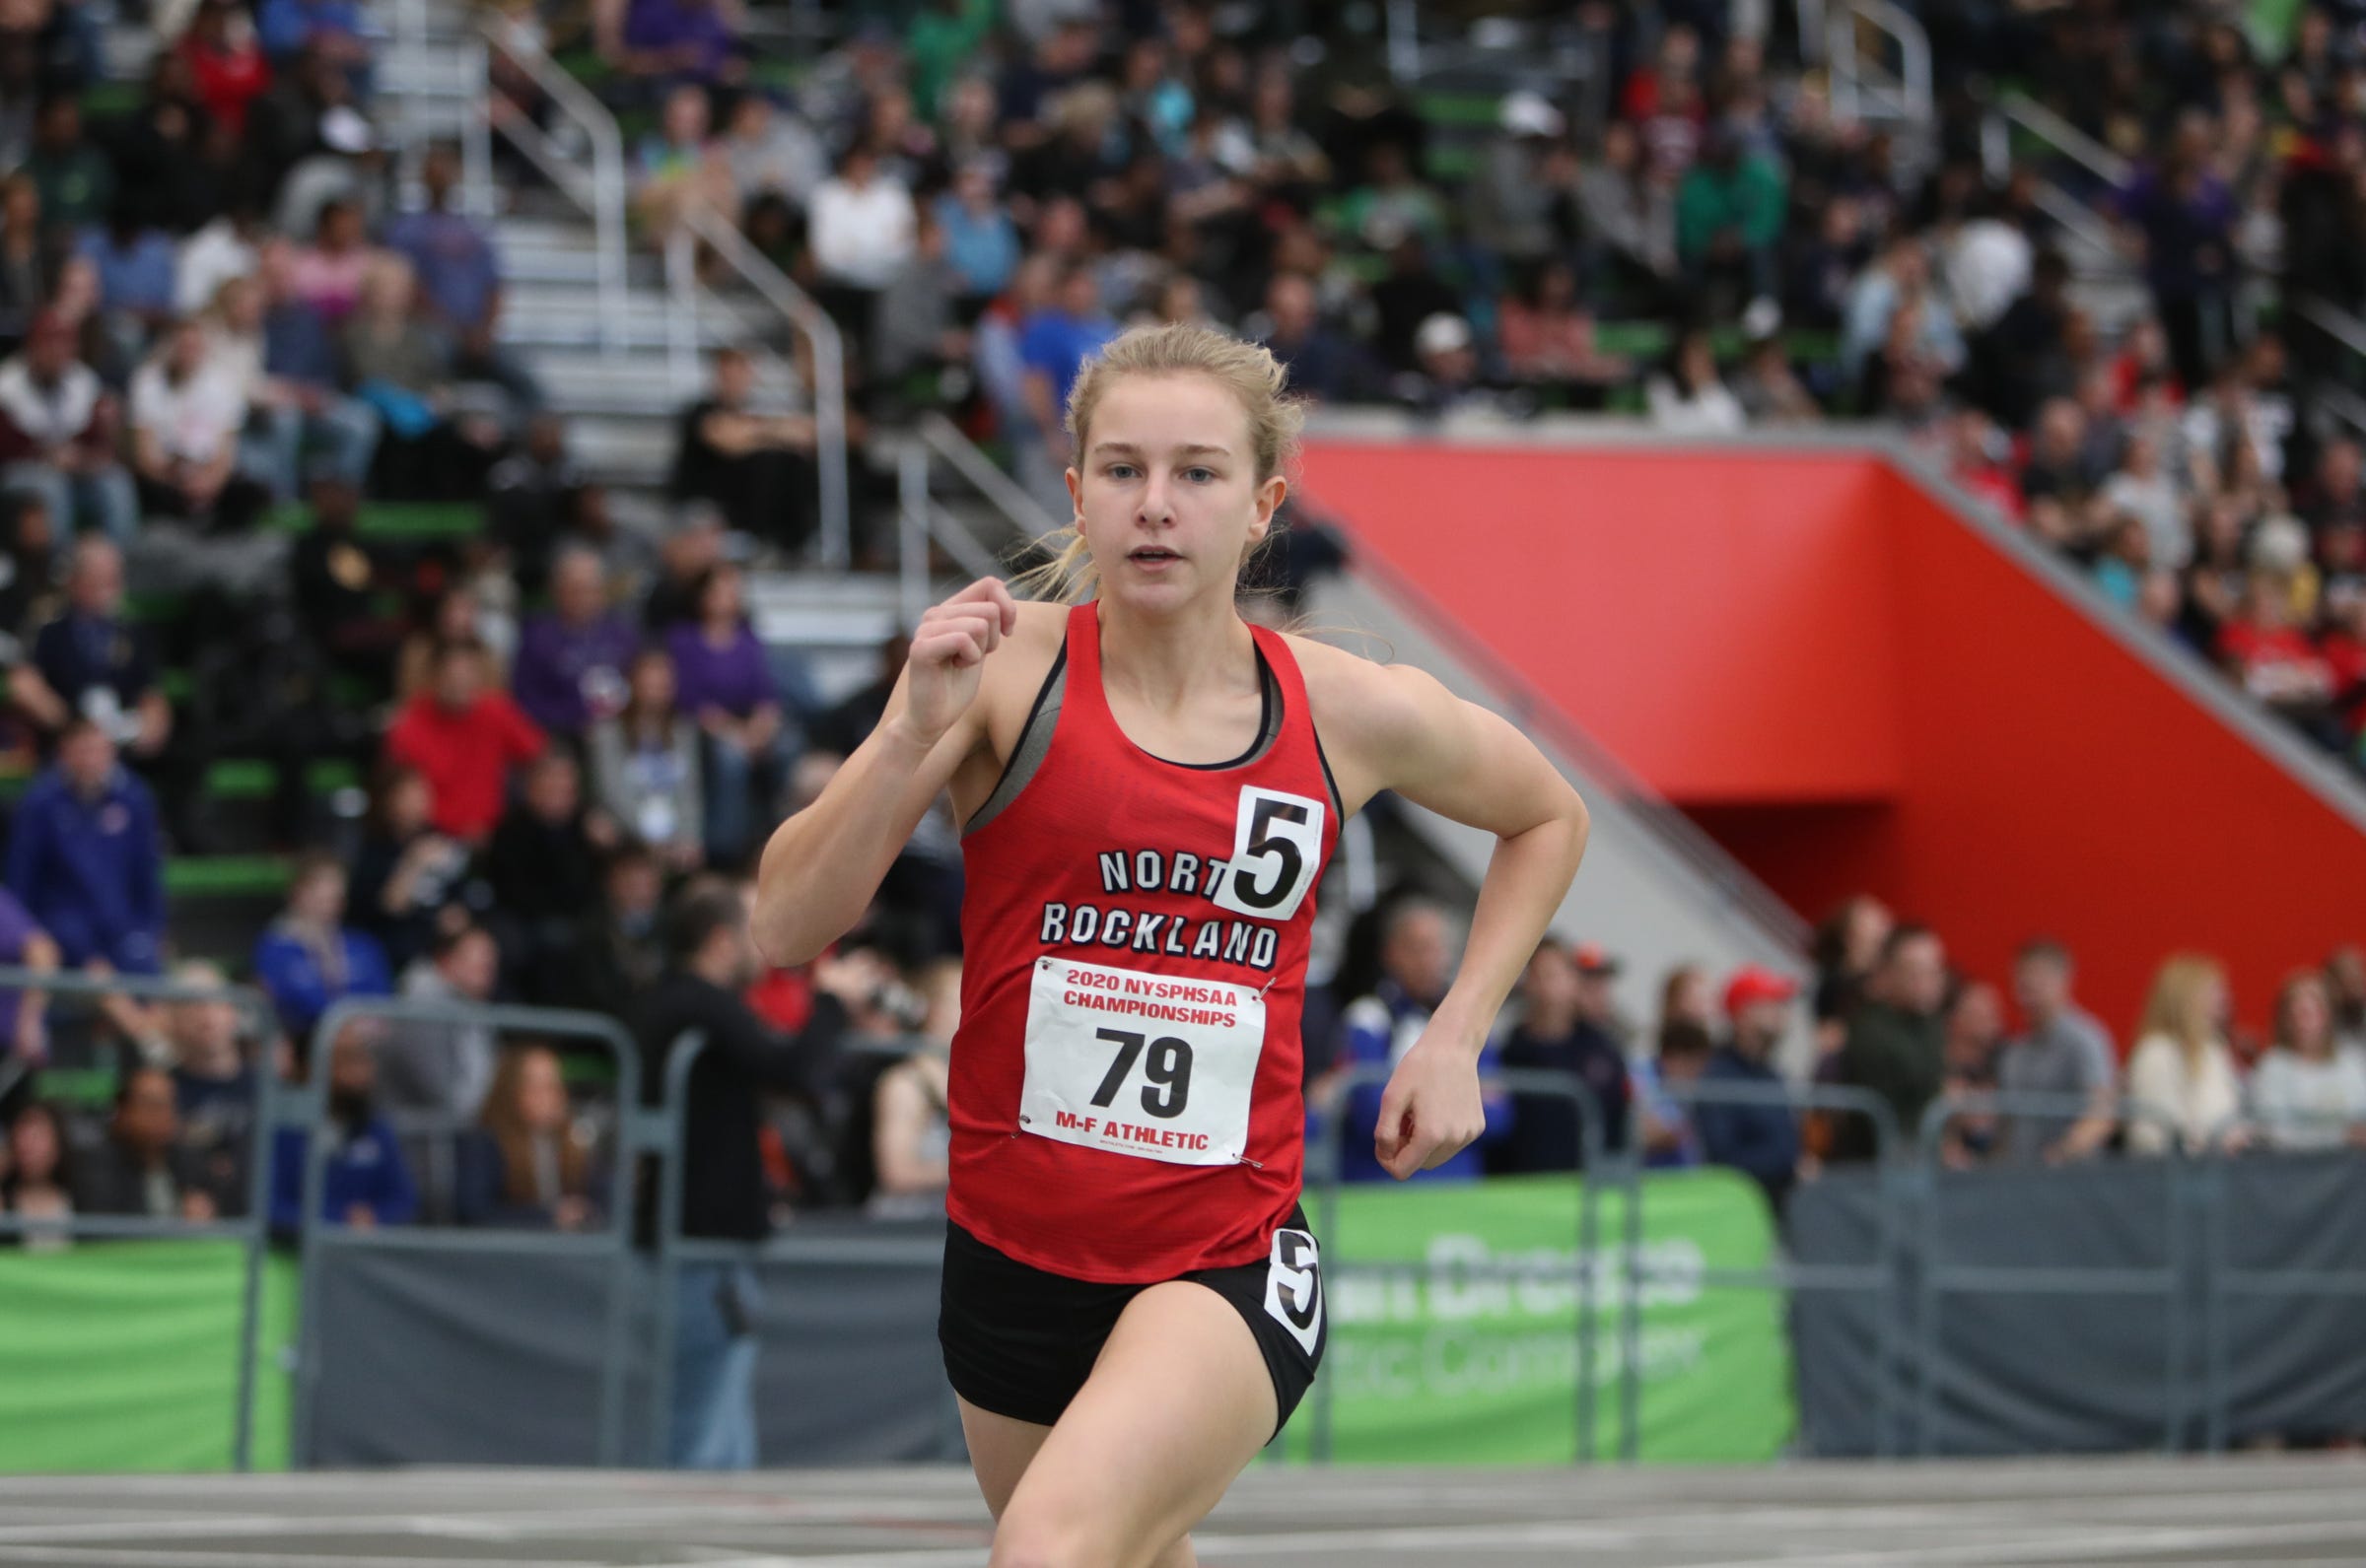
x=1076, y=497
x=1270, y=496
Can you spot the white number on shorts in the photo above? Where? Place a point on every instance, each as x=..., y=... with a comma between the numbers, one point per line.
x=1294, y=1287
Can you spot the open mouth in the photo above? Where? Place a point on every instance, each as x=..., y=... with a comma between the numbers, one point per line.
x=1151, y=554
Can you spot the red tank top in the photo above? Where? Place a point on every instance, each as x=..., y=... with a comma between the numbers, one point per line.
x=1125, y=1102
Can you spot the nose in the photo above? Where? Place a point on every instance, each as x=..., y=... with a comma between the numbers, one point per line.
x=1157, y=500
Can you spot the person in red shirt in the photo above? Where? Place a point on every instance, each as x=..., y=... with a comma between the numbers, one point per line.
x=227, y=63
x=464, y=740
x=1149, y=788
x=2275, y=660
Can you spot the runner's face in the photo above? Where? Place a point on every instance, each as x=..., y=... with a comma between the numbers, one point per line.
x=1167, y=491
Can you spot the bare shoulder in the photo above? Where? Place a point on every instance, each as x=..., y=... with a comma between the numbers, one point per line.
x=1366, y=713
x=1013, y=673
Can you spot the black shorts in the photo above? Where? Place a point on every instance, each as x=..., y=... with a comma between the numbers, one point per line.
x=1020, y=1341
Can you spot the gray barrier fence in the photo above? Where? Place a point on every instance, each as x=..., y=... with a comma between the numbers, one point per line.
x=304, y=1107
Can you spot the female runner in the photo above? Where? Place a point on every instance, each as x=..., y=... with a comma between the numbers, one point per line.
x=1131, y=1304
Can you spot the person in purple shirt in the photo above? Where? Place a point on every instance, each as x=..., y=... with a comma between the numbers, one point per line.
x=723, y=678
x=571, y=665
x=83, y=856
x=683, y=40
x=459, y=280
x=136, y=266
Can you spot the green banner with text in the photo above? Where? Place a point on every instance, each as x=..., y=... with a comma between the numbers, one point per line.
x=123, y=1355
x=1454, y=1309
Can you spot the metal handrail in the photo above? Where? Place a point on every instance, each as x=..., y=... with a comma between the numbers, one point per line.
x=605, y=200
x=1847, y=66
x=1027, y=515
x=2065, y=138
x=774, y=286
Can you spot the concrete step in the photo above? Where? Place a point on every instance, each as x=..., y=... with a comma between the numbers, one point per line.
x=622, y=449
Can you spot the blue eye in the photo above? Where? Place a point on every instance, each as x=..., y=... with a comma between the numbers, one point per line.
x=1199, y=475
x=1120, y=470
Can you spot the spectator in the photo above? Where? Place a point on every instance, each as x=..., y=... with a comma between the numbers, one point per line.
x=1052, y=345
x=428, y=448
x=980, y=239
x=683, y=171
x=1323, y=365
x=527, y=1165
x=226, y=63
x=623, y=951
x=407, y=877
x=285, y=412
x=1445, y=372
x=2345, y=985
x=916, y=333
x=58, y=434
x=911, y=1135
x=1627, y=204
x=773, y=152
x=187, y=411
x=141, y=1169
x=24, y=259
x=24, y=1015
x=1729, y=211
x=2144, y=491
x=213, y=1087
x=83, y=858
x=723, y=1196
x=135, y=264
x=1548, y=338
x=2060, y=479
x=230, y=246
x=1687, y=398
x=335, y=32
x=1895, y=1043
x=543, y=868
x=460, y=281
x=571, y=661
x=310, y=959
x=758, y=467
x=33, y=1183
x=645, y=765
x=673, y=41
x=722, y=677
x=444, y=1068
x=1975, y=1036
x=2181, y=220
x=2276, y=662
x=1556, y=1035
x=1661, y=1084
x=536, y=492
x=2307, y=1091
x=2061, y=1051
x=2182, y=1085
x=1900, y=276
x=464, y=740
x=1416, y=962
x=365, y=1182
x=328, y=274
x=1741, y=1122
x=74, y=181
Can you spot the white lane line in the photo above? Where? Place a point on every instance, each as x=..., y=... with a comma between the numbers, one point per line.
x=166, y=1557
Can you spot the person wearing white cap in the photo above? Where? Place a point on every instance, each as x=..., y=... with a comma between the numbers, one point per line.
x=1508, y=207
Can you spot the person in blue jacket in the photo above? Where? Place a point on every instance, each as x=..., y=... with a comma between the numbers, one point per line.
x=366, y=1183
x=1416, y=962
x=84, y=858
x=308, y=959
x=1760, y=1140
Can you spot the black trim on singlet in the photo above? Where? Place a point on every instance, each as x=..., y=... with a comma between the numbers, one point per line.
x=1339, y=811
x=1268, y=725
x=1033, y=745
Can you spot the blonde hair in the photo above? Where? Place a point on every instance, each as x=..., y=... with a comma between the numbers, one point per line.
x=1248, y=371
x=2180, y=1004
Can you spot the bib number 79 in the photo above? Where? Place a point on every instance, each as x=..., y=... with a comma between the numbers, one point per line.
x=1168, y=1069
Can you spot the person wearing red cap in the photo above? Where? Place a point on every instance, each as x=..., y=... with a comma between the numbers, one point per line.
x=1760, y=1140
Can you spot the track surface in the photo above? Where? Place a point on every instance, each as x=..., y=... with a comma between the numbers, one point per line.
x=2286, y=1511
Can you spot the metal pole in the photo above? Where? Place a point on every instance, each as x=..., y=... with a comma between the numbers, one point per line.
x=681, y=308
x=680, y=1058
x=911, y=531
x=477, y=191
x=1630, y=1313
x=829, y=420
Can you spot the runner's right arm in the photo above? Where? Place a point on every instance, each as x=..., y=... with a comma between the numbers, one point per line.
x=823, y=864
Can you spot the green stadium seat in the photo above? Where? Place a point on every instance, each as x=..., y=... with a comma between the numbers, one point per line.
x=226, y=876
x=75, y=1088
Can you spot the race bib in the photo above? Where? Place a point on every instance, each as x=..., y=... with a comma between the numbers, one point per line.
x=1158, y=1066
